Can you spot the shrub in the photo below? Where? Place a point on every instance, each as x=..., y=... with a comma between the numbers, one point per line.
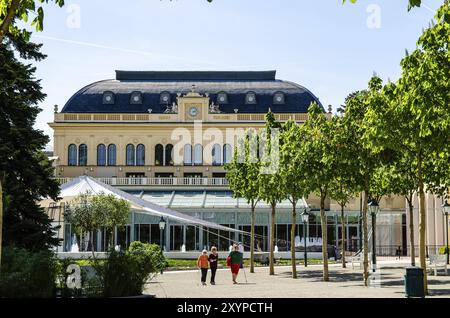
x=125, y=273
x=27, y=274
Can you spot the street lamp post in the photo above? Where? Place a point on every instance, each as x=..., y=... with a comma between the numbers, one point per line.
x=305, y=219
x=446, y=211
x=373, y=208
x=162, y=226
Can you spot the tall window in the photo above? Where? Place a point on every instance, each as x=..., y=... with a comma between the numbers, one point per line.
x=82, y=155
x=140, y=155
x=169, y=155
x=112, y=155
x=130, y=155
x=101, y=155
x=159, y=155
x=72, y=155
x=187, y=156
x=198, y=155
x=226, y=153
x=216, y=155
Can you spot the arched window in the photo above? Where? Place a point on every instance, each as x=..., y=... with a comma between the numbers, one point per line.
x=101, y=155
x=112, y=155
x=72, y=160
x=216, y=155
x=159, y=155
x=227, y=153
x=187, y=156
x=140, y=155
x=198, y=155
x=129, y=155
x=169, y=155
x=82, y=155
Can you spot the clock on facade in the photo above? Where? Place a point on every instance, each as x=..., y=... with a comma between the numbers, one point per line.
x=193, y=111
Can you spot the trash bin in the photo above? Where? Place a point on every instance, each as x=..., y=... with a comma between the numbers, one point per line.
x=414, y=282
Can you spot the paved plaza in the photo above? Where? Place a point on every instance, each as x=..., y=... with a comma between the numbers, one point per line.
x=344, y=283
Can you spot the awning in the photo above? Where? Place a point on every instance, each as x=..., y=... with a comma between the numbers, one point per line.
x=83, y=184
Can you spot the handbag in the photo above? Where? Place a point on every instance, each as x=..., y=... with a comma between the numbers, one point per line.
x=229, y=261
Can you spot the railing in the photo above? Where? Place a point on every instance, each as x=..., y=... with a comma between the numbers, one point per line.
x=218, y=182
x=140, y=117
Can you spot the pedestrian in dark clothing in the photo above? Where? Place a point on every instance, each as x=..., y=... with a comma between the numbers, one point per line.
x=213, y=257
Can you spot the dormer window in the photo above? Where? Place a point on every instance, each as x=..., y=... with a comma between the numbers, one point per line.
x=278, y=98
x=136, y=98
x=222, y=98
x=164, y=98
x=108, y=98
x=250, y=98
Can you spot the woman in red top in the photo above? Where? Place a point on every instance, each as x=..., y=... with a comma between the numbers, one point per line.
x=203, y=264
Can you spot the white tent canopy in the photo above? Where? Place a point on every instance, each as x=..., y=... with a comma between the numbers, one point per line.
x=85, y=184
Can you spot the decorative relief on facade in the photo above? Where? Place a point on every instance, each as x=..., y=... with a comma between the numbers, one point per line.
x=171, y=109
x=214, y=109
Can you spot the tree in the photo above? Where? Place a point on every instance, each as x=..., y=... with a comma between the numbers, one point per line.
x=22, y=10
x=420, y=115
x=26, y=175
x=87, y=213
x=318, y=166
x=113, y=211
x=242, y=175
x=271, y=188
x=293, y=176
x=343, y=185
x=364, y=160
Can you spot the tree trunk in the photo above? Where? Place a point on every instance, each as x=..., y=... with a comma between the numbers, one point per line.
x=343, y=236
x=10, y=15
x=323, y=221
x=411, y=231
x=92, y=244
x=422, y=225
x=294, y=223
x=1, y=222
x=272, y=241
x=365, y=237
x=252, y=239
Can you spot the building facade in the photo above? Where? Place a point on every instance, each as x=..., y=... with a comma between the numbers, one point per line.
x=165, y=136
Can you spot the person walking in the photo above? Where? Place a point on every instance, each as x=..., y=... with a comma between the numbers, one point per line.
x=212, y=258
x=202, y=264
x=236, y=261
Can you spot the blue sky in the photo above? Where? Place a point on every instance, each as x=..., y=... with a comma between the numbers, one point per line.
x=329, y=48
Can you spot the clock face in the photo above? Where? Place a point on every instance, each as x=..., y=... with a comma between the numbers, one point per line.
x=193, y=111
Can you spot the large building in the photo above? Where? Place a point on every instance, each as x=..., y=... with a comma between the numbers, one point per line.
x=165, y=136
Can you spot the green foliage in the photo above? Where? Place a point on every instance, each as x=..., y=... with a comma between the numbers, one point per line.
x=442, y=250
x=12, y=11
x=25, y=172
x=88, y=212
x=27, y=274
x=125, y=273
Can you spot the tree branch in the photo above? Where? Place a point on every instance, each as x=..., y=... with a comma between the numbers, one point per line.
x=11, y=13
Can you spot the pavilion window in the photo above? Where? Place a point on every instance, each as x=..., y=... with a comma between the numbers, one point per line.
x=112, y=155
x=82, y=155
x=198, y=155
x=159, y=155
x=130, y=155
x=216, y=155
x=101, y=155
x=72, y=160
x=187, y=156
x=140, y=155
x=168, y=160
